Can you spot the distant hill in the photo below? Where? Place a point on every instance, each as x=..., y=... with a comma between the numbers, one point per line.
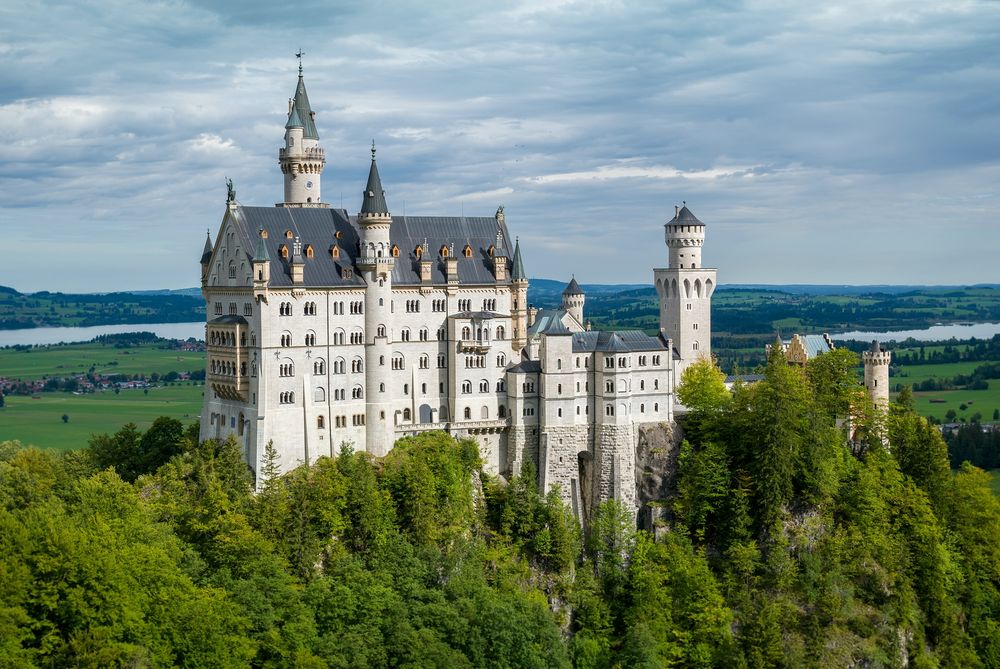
x=47, y=309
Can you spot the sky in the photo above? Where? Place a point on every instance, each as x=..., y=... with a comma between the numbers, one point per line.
x=842, y=142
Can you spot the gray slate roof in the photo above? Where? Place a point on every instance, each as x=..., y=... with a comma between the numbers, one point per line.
x=526, y=367
x=548, y=321
x=616, y=341
x=373, y=200
x=206, y=253
x=518, y=271
x=228, y=320
x=573, y=288
x=685, y=217
x=305, y=112
x=318, y=227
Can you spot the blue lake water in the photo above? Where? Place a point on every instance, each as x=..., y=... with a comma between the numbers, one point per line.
x=58, y=335
x=197, y=330
x=933, y=333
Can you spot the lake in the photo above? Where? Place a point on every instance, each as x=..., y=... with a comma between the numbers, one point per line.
x=31, y=336
x=933, y=333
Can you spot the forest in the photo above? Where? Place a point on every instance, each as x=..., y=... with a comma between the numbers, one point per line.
x=784, y=542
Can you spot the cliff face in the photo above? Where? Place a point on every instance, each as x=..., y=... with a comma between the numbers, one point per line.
x=655, y=470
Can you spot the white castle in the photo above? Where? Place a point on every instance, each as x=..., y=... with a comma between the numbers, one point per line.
x=326, y=328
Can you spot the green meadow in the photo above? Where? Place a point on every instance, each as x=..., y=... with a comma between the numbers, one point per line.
x=38, y=420
x=72, y=359
x=937, y=402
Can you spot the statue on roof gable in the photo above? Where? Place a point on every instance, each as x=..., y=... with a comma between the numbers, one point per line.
x=230, y=191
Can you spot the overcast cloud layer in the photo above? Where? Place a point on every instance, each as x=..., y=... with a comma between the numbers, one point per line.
x=836, y=142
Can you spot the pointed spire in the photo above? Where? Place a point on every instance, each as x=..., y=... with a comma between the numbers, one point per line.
x=261, y=254
x=294, y=121
x=206, y=253
x=518, y=272
x=374, y=196
x=300, y=104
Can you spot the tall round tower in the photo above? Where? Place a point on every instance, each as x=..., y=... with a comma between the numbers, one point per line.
x=685, y=289
x=301, y=158
x=876, y=361
x=573, y=299
x=376, y=262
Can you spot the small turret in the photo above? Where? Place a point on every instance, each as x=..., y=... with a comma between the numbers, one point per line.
x=206, y=258
x=685, y=236
x=261, y=263
x=519, y=300
x=573, y=299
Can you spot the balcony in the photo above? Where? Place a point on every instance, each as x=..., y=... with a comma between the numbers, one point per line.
x=376, y=261
x=474, y=346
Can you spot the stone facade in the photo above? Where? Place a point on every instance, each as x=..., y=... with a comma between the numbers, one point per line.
x=327, y=329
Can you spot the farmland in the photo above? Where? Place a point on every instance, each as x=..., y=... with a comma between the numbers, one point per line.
x=38, y=419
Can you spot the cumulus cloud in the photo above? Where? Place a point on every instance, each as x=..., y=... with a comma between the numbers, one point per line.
x=819, y=143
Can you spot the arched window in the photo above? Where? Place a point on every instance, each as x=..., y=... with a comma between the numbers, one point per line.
x=501, y=332
x=466, y=386
x=502, y=411
x=468, y=413
x=320, y=422
x=319, y=395
x=407, y=415
x=466, y=333
x=484, y=413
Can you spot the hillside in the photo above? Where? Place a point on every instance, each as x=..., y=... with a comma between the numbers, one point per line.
x=45, y=309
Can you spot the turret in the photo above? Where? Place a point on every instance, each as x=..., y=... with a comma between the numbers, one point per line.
x=301, y=158
x=685, y=235
x=573, y=299
x=876, y=361
x=206, y=258
x=519, y=300
x=376, y=262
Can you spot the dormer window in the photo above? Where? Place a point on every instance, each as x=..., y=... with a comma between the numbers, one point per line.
x=283, y=251
x=492, y=250
x=419, y=251
x=289, y=234
x=263, y=234
x=444, y=252
x=467, y=251
x=334, y=251
x=339, y=234
x=395, y=251
x=309, y=251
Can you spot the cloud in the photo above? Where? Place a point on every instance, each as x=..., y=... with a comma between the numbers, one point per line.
x=833, y=142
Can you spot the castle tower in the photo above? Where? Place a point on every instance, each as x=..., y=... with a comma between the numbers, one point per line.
x=301, y=158
x=261, y=267
x=573, y=299
x=876, y=361
x=519, y=301
x=376, y=262
x=685, y=289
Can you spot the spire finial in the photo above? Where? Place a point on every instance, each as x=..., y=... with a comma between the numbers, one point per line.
x=373, y=148
x=299, y=56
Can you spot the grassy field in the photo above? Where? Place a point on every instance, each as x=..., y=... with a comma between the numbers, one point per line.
x=39, y=421
x=976, y=401
x=72, y=359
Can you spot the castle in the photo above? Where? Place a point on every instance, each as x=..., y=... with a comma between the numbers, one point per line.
x=327, y=328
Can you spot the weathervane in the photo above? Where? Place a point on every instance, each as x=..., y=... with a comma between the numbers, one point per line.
x=299, y=56
x=373, y=149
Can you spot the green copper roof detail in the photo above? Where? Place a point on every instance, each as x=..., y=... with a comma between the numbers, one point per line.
x=518, y=271
x=300, y=104
x=293, y=120
x=374, y=196
x=261, y=255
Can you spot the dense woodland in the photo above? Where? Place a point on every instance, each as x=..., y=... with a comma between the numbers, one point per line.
x=783, y=544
